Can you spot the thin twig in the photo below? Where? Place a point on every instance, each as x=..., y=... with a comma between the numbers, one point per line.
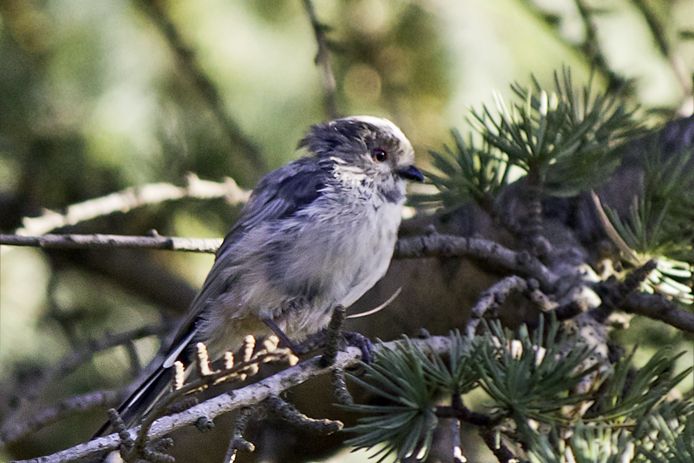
x=42, y=418
x=339, y=384
x=97, y=241
x=322, y=59
x=291, y=415
x=244, y=397
x=190, y=65
x=660, y=38
x=492, y=298
x=611, y=231
x=457, y=451
x=657, y=307
x=237, y=441
x=432, y=245
x=571, y=309
x=132, y=198
x=533, y=225
x=207, y=377
x=133, y=358
x=614, y=295
x=438, y=245
x=486, y=423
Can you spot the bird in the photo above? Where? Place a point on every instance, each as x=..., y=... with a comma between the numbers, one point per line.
x=315, y=234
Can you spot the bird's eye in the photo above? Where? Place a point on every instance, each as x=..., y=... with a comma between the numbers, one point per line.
x=379, y=155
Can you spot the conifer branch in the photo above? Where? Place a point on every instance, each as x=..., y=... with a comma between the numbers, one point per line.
x=466, y=415
x=615, y=294
x=339, y=384
x=333, y=334
x=225, y=403
x=231, y=372
x=457, y=450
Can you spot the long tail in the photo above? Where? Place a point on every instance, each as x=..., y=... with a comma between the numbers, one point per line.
x=141, y=401
x=148, y=393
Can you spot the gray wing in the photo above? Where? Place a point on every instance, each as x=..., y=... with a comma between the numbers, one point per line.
x=278, y=195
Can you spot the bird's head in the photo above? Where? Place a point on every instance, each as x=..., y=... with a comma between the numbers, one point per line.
x=364, y=149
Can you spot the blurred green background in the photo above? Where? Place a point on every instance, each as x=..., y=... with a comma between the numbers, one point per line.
x=93, y=99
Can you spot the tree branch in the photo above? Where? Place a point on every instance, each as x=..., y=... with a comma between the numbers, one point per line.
x=190, y=66
x=114, y=241
x=492, y=298
x=238, y=441
x=437, y=245
x=322, y=59
x=132, y=198
x=79, y=403
x=658, y=308
x=468, y=416
x=230, y=401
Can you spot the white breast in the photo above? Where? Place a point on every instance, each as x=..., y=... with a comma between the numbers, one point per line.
x=348, y=253
x=371, y=254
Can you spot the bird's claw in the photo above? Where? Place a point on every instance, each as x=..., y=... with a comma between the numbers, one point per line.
x=352, y=338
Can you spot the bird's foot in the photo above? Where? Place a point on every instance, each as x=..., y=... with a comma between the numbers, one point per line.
x=335, y=339
x=352, y=338
x=342, y=340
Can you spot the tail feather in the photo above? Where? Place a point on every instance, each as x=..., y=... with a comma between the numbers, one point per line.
x=148, y=393
x=142, y=400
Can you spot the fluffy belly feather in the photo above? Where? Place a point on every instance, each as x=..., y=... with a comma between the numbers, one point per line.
x=298, y=285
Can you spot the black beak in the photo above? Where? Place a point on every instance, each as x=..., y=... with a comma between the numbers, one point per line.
x=411, y=173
